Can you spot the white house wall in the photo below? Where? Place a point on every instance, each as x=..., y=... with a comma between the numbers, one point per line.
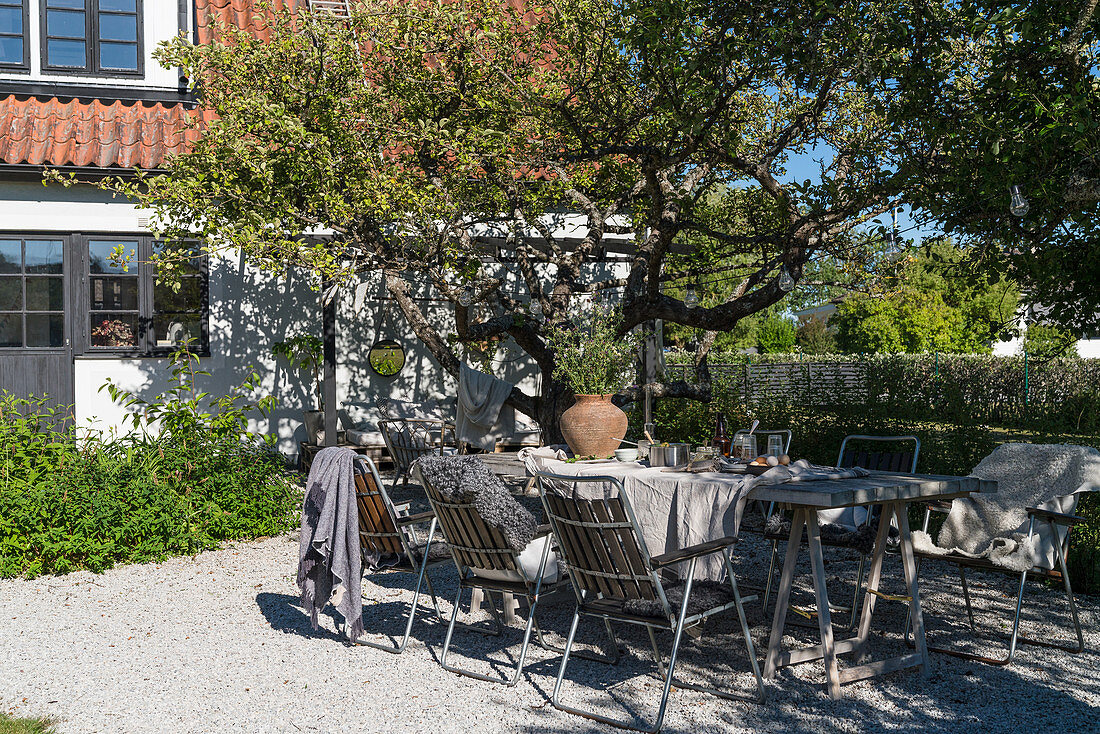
x=250, y=311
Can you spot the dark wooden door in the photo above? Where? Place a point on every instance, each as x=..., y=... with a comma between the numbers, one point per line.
x=36, y=356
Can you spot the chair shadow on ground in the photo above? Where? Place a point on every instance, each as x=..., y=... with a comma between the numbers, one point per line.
x=1049, y=690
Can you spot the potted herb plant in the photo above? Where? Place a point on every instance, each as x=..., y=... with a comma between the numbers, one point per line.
x=304, y=352
x=595, y=361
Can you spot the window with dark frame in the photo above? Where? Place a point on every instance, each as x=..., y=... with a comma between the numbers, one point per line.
x=129, y=310
x=99, y=37
x=14, y=54
x=32, y=293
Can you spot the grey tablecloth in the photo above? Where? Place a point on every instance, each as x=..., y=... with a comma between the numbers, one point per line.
x=675, y=510
x=679, y=509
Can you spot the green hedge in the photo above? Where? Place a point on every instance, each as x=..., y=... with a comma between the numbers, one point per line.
x=67, y=505
x=960, y=407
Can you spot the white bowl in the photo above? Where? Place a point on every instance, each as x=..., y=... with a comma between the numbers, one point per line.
x=626, y=454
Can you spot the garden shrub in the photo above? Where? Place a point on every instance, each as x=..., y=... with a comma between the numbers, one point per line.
x=68, y=504
x=960, y=407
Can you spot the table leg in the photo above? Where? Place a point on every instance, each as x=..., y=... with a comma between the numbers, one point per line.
x=874, y=575
x=909, y=564
x=783, y=596
x=824, y=622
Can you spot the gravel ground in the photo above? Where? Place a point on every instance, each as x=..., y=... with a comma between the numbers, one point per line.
x=218, y=643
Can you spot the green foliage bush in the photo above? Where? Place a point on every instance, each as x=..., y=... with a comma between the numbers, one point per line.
x=69, y=503
x=776, y=335
x=960, y=407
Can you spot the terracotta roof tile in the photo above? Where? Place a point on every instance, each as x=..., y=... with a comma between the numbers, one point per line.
x=39, y=130
x=48, y=131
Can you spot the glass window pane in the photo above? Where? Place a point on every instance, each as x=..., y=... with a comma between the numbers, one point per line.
x=118, y=56
x=126, y=6
x=11, y=330
x=11, y=50
x=171, y=330
x=44, y=256
x=11, y=256
x=119, y=293
x=100, y=257
x=11, y=293
x=78, y=4
x=114, y=329
x=11, y=21
x=187, y=298
x=45, y=330
x=45, y=294
x=118, y=27
x=68, y=23
x=66, y=53
x=176, y=253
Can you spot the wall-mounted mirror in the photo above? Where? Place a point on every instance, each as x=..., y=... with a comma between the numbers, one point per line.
x=386, y=357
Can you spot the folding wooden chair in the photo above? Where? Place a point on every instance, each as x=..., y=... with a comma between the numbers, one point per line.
x=487, y=562
x=615, y=579
x=1052, y=549
x=899, y=462
x=385, y=529
x=407, y=439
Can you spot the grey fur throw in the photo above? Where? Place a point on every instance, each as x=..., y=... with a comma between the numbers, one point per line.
x=705, y=595
x=468, y=479
x=861, y=539
x=994, y=525
x=328, y=551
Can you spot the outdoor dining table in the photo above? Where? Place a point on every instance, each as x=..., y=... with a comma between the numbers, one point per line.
x=893, y=492
x=678, y=509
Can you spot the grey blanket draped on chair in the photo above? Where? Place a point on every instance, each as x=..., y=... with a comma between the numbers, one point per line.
x=328, y=551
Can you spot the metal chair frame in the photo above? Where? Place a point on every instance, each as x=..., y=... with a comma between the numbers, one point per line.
x=474, y=544
x=620, y=567
x=384, y=528
x=1053, y=520
x=407, y=439
x=846, y=461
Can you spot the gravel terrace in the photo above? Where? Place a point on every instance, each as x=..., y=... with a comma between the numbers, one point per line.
x=218, y=643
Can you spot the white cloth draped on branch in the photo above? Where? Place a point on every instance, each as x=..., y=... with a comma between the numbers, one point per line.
x=480, y=398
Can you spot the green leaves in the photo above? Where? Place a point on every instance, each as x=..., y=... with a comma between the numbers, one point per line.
x=66, y=505
x=591, y=356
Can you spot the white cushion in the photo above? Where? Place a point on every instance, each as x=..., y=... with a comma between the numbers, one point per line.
x=529, y=561
x=366, y=435
x=848, y=517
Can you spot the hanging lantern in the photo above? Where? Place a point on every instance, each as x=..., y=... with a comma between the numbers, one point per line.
x=691, y=296
x=1018, y=204
x=786, y=281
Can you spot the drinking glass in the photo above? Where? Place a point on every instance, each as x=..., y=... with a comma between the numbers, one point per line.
x=747, y=443
x=775, y=445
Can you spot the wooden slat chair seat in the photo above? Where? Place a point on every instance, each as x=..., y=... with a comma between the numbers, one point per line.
x=615, y=579
x=407, y=439
x=861, y=523
x=385, y=531
x=485, y=561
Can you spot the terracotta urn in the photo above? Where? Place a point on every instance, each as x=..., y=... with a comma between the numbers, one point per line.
x=593, y=426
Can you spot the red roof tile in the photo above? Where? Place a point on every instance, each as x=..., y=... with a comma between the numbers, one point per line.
x=36, y=130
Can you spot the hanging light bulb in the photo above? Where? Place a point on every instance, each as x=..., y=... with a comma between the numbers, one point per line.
x=536, y=310
x=1018, y=204
x=786, y=281
x=466, y=297
x=691, y=297
x=891, y=238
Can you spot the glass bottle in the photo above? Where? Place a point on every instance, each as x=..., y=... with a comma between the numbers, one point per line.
x=720, y=441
